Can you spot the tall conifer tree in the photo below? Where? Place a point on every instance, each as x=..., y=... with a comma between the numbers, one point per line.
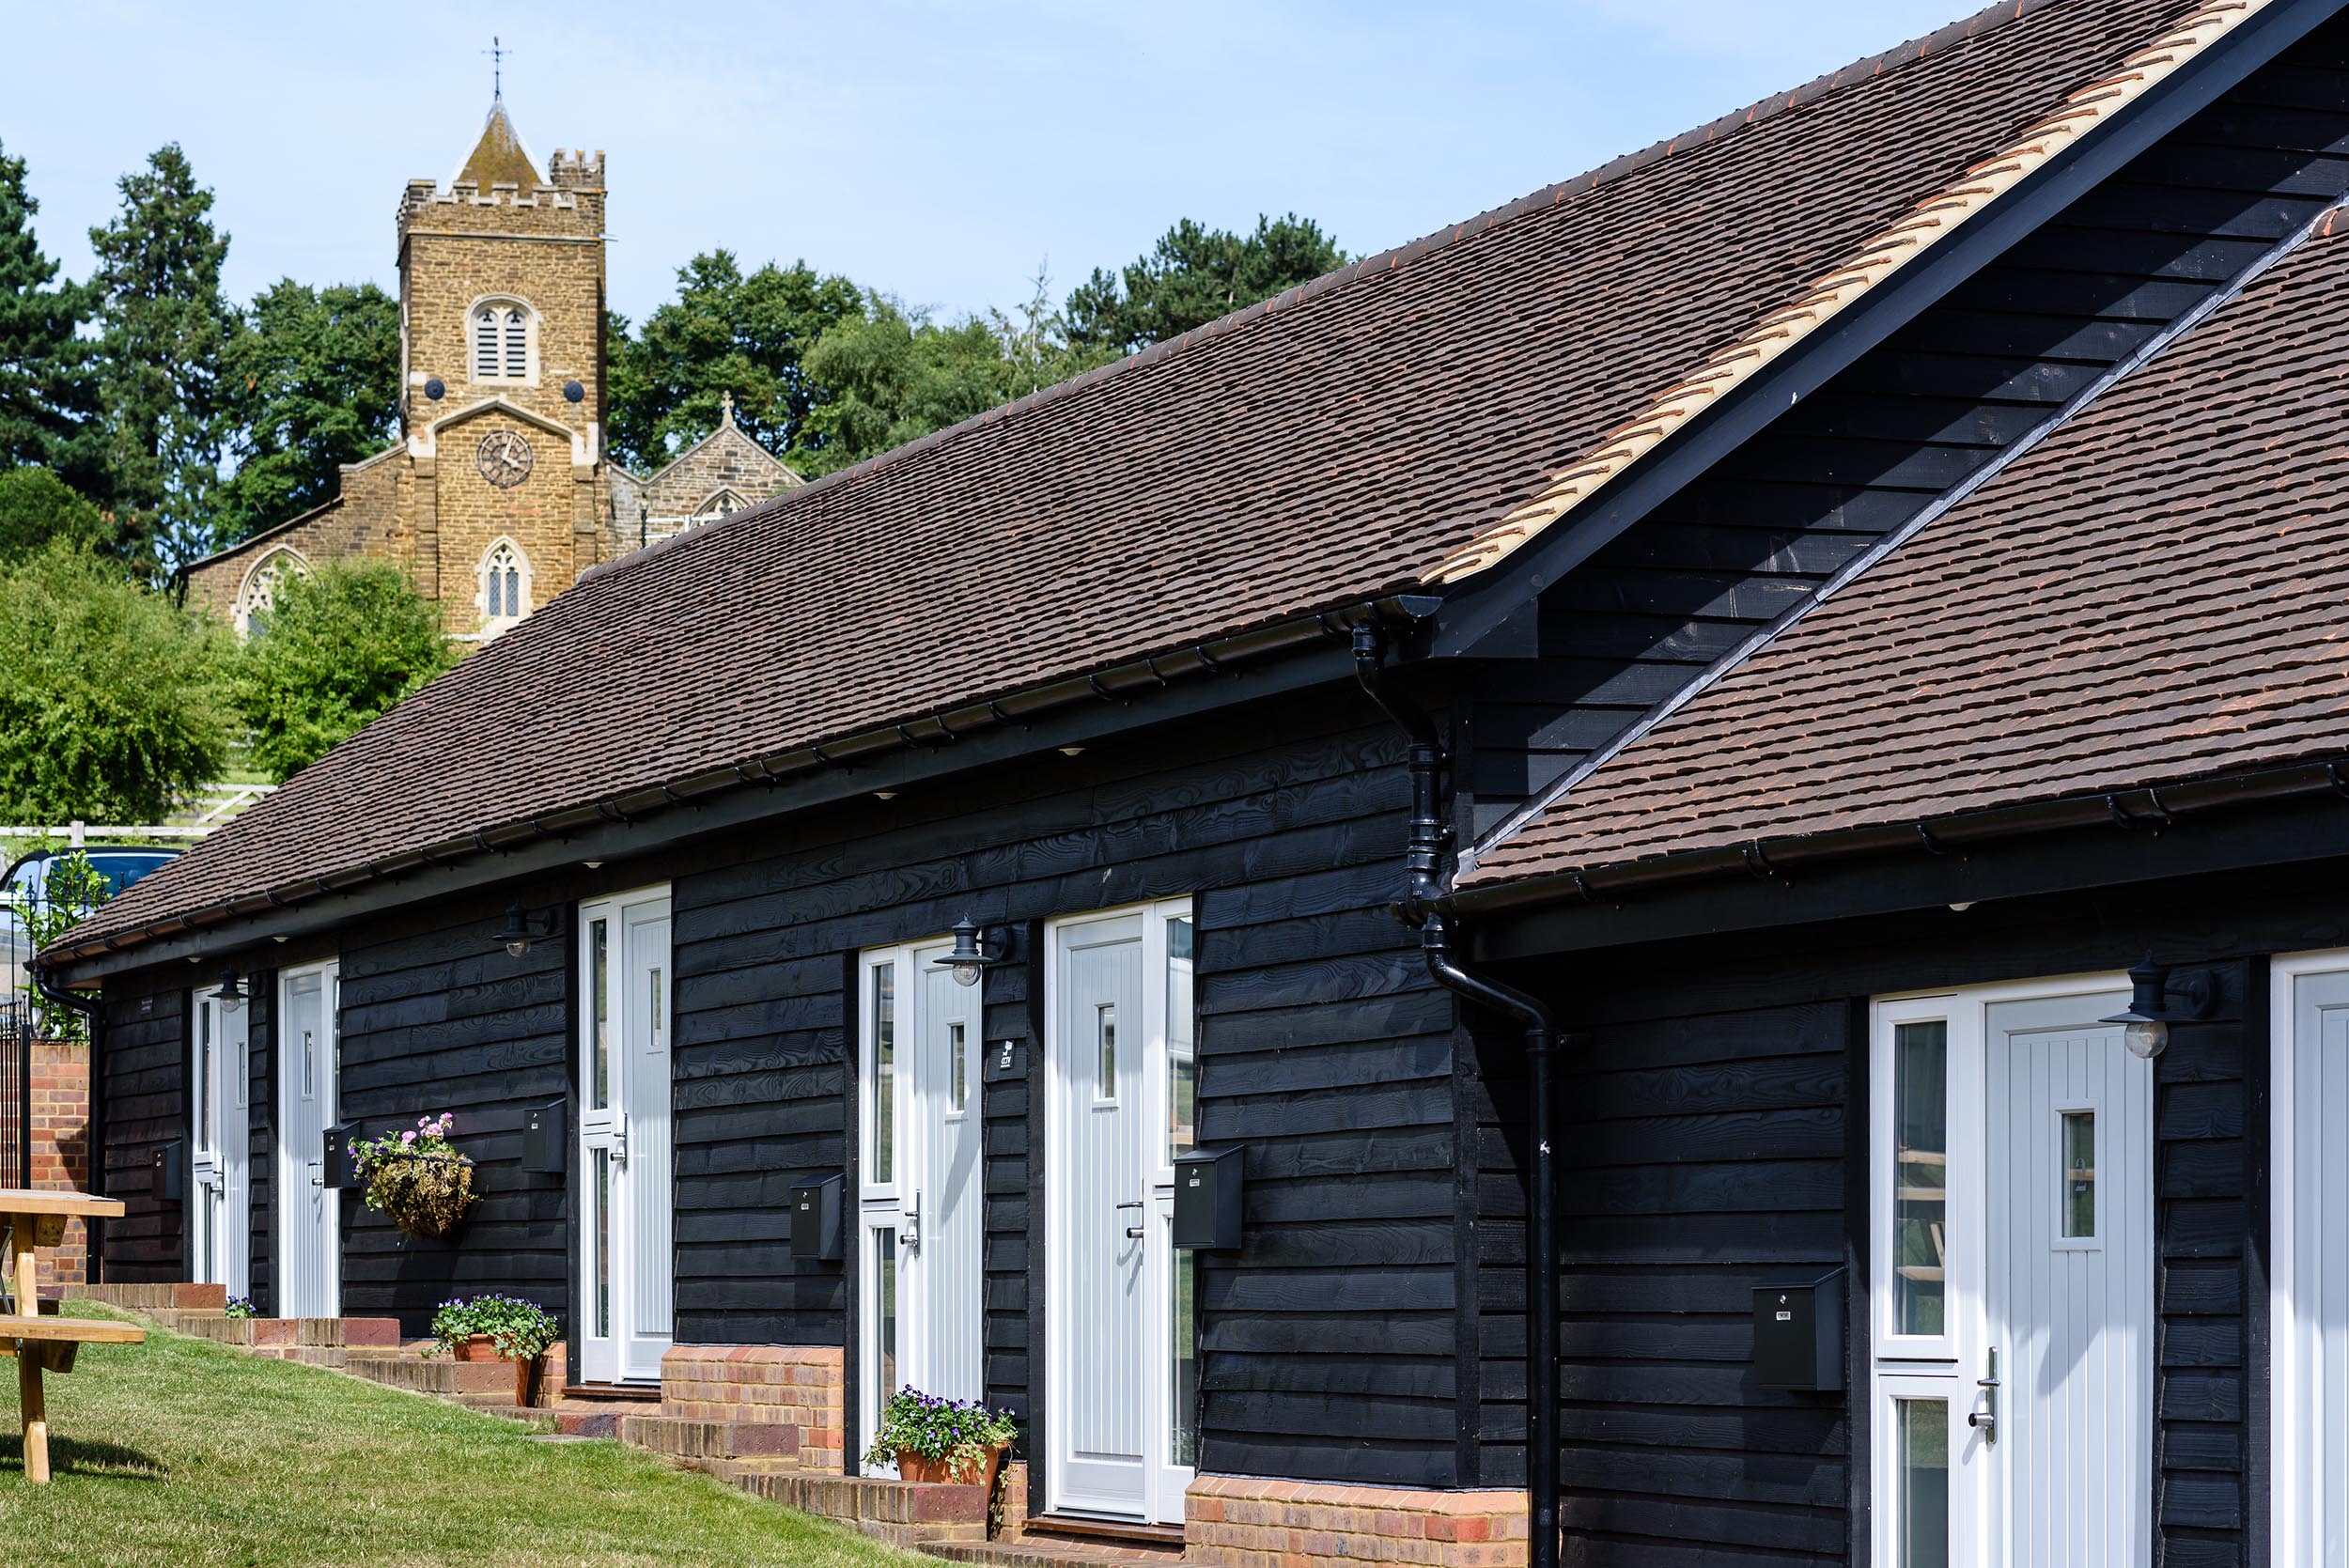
x=167, y=326
x=47, y=395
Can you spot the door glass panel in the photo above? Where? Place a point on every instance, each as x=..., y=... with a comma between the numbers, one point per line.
x=1921, y=1113
x=959, y=1069
x=653, y=987
x=883, y=1149
x=203, y=1078
x=2079, y=1173
x=1183, y=1444
x=603, y=1244
x=1181, y=1052
x=1105, y=1051
x=600, y=998
x=885, y=1284
x=309, y=1063
x=1923, y=1432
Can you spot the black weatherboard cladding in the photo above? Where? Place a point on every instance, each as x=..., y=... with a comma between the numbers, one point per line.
x=143, y=1075
x=437, y=1016
x=1328, y=1343
x=1709, y=1137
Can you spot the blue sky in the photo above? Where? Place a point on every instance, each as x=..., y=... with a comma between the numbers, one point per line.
x=938, y=152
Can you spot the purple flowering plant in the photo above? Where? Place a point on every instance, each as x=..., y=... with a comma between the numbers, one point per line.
x=956, y=1430
x=241, y=1306
x=520, y=1331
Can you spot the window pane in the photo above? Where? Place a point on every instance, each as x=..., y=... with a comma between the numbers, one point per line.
x=485, y=345
x=1105, y=1051
x=1920, y=1114
x=1184, y=1446
x=600, y=1035
x=203, y=1085
x=517, y=345
x=959, y=1069
x=2079, y=1173
x=885, y=1284
x=1925, y=1482
x=603, y=1244
x=1182, y=1057
x=884, y=1129
x=653, y=985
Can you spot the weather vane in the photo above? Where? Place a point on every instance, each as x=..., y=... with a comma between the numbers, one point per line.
x=497, y=52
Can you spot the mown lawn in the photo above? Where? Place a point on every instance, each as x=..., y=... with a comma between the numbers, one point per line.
x=184, y=1453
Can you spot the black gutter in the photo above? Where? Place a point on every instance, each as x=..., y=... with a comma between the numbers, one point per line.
x=1120, y=684
x=2142, y=808
x=1421, y=907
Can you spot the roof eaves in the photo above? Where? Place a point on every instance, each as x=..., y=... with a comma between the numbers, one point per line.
x=1930, y=221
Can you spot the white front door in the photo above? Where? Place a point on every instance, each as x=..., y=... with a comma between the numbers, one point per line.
x=1118, y=1067
x=2011, y=1145
x=309, y=1214
x=921, y=1189
x=627, y=1266
x=220, y=1209
x=2309, y=1262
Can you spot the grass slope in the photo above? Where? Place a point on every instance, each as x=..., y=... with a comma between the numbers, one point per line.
x=180, y=1451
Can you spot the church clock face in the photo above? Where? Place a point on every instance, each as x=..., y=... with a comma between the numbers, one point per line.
x=504, y=458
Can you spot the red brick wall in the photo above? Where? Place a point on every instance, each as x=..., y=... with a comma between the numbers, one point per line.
x=61, y=1148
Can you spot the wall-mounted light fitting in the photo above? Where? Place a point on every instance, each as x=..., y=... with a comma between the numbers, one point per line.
x=231, y=995
x=970, y=958
x=2155, y=1001
x=523, y=927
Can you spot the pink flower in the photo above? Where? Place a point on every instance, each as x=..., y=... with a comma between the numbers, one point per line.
x=407, y=1138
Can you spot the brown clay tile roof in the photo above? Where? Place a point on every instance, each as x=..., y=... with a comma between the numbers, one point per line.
x=2152, y=596
x=1329, y=446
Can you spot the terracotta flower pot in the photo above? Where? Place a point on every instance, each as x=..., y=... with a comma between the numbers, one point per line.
x=971, y=1471
x=525, y=1380
x=477, y=1347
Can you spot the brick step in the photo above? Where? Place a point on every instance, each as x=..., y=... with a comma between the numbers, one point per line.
x=569, y=1421
x=897, y=1512
x=682, y=1438
x=404, y=1369
x=1045, y=1552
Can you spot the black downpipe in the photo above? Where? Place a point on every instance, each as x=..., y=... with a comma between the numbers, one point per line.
x=94, y=1021
x=1421, y=908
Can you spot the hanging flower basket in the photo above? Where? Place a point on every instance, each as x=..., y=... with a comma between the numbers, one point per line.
x=417, y=1178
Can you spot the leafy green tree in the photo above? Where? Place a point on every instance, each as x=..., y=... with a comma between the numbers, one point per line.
x=312, y=382
x=165, y=326
x=37, y=506
x=339, y=648
x=889, y=378
x=1193, y=275
x=47, y=395
x=110, y=695
x=1037, y=348
x=725, y=333
x=69, y=894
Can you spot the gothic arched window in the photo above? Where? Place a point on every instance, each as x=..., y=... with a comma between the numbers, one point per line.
x=258, y=594
x=505, y=597
x=722, y=503
x=503, y=341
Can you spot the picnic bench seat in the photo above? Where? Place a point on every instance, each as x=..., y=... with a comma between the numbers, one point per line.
x=32, y=1220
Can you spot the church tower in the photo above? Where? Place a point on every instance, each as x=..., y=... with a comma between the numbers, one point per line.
x=498, y=492
x=502, y=309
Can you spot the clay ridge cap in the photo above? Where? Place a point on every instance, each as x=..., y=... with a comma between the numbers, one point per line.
x=1388, y=261
x=1930, y=220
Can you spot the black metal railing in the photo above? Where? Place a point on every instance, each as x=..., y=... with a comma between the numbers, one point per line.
x=19, y=1025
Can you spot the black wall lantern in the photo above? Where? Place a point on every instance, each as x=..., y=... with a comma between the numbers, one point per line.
x=522, y=928
x=2155, y=1003
x=231, y=995
x=970, y=958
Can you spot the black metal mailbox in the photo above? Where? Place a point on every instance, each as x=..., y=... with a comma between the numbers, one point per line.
x=544, y=1138
x=815, y=1221
x=335, y=1168
x=1207, y=1192
x=170, y=1185
x=1798, y=1335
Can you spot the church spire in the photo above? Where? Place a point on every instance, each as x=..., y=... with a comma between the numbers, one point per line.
x=500, y=156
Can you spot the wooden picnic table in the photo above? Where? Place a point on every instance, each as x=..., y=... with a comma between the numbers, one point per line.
x=36, y=1219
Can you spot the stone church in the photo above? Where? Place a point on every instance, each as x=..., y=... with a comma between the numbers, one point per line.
x=499, y=493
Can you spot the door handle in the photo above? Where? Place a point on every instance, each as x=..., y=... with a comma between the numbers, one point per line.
x=1986, y=1420
x=909, y=1229
x=318, y=1168
x=1133, y=1233
x=619, y=1142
